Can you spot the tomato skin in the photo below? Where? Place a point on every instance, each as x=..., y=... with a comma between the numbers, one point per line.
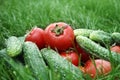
x=36, y=35
x=71, y=56
x=83, y=54
x=82, y=69
x=115, y=49
x=61, y=42
x=102, y=66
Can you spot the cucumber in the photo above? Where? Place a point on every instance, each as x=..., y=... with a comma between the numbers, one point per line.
x=34, y=60
x=11, y=69
x=101, y=37
x=58, y=64
x=22, y=39
x=13, y=46
x=82, y=32
x=97, y=50
x=116, y=37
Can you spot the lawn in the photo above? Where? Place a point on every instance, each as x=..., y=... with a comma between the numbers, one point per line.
x=16, y=17
x=19, y=16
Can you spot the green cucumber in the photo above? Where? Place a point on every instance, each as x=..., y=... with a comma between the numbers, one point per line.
x=22, y=39
x=13, y=46
x=82, y=32
x=101, y=37
x=116, y=37
x=97, y=50
x=64, y=68
x=34, y=60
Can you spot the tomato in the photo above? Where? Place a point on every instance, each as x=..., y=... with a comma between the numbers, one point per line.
x=115, y=49
x=82, y=69
x=102, y=66
x=59, y=35
x=71, y=56
x=83, y=54
x=36, y=35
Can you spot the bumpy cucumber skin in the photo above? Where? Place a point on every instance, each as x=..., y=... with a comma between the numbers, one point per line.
x=22, y=39
x=97, y=50
x=82, y=32
x=101, y=37
x=116, y=37
x=60, y=65
x=34, y=60
x=13, y=46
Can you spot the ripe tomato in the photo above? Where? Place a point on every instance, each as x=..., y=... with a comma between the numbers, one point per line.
x=36, y=35
x=71, y=56
x=84, y=55
x=115, y=49
x=82, y=69
x=102, y=66
x=59, y=35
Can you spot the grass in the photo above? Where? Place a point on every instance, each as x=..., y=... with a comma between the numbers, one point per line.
x=18, y=16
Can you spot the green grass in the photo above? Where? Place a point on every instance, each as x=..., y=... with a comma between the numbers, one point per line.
x=18, y=16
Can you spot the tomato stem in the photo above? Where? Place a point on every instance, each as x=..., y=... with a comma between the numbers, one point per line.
x=58, y=30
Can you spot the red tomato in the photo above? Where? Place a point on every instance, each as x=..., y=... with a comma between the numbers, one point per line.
x=36, y=35
x=102, y=66
x=71, y=56
x=115, y=49
x=84, y=55
x=82, y=69
x=59, y=35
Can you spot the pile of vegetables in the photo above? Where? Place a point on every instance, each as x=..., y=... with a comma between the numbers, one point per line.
x=70, y=54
